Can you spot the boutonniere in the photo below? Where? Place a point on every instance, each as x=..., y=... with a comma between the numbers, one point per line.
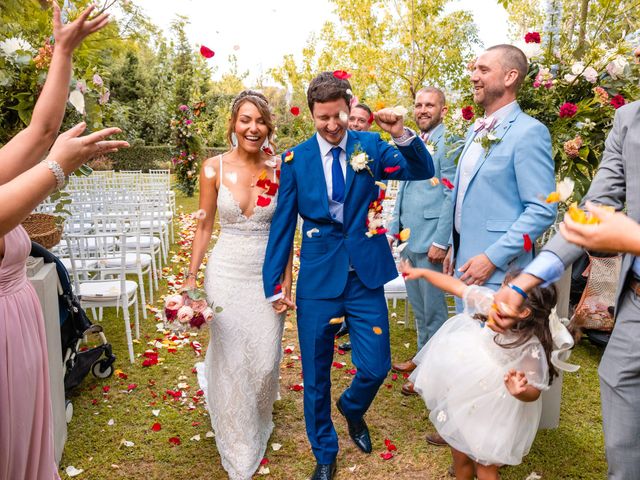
x=432, y=148
x=359, y=161
x=489, y=140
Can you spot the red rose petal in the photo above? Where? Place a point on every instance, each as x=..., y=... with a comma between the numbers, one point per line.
x=277, y=289
x=264, y=461
x=386, y=455
x=295, y=111
x=131, y=386
x=394, y=377
x=392, y=169
x=156, y=427
x=341, y=75
x=528, y=244
x=122, y=375
x=352, y=371
x=206, y=52
x=106, y=389
x=175, y=440
x=273, y=188
x=200, y=393
x=447, y=183
x=296, y=388
x=370, y=120
x=338, y=365
x=263, y=201
x=263, y=183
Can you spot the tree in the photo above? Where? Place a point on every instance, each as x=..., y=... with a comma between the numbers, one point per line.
x=392, y=48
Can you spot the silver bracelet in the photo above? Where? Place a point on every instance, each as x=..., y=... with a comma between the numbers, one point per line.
x=57, y=171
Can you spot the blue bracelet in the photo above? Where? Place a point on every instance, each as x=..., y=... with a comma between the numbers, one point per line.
x=516, y=288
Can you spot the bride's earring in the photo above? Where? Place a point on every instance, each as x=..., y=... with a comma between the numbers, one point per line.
x=234, y=140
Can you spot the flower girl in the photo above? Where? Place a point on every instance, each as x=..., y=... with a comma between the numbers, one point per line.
x=482, y=387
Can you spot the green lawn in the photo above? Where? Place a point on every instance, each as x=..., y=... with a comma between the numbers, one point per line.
x=573, y=451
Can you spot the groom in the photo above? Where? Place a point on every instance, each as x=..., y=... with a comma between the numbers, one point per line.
x=330, y=181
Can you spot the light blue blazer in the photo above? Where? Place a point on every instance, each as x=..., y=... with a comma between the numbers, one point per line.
x=506, y=195
x=424, y=208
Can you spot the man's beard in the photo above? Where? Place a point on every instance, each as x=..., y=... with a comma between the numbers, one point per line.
x=432, y=122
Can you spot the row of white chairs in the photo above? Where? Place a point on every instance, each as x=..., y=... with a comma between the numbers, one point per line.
x=120, y=227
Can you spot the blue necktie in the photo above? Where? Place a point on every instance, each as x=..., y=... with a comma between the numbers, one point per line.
x=337, y=177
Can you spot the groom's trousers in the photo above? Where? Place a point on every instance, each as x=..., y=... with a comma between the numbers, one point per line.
x=366, y=312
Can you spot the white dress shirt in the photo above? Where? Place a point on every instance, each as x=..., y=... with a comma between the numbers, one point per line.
x=470, y=158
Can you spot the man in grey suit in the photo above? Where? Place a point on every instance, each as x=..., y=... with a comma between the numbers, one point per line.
x=425, y=207
x=616, y=182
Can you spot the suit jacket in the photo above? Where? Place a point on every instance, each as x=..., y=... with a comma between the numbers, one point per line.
x=505, y=196
x=329, y=247
x=617, y=181
x=424, y=208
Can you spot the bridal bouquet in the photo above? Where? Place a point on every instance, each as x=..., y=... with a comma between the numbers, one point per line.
x=188, y=310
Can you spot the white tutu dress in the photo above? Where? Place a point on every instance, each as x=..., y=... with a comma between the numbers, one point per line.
x=460, y=375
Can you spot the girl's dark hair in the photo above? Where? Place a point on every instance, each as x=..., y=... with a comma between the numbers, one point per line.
x=326, y=87
x=540, y=302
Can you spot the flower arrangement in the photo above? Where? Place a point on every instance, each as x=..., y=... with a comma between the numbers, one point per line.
x=575, y=98
x=187, y=149
x=189, y=310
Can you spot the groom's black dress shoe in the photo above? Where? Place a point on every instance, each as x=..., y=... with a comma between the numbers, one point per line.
x=358, y=431
x=324, y=472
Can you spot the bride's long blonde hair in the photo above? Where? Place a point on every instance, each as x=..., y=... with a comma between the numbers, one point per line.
x=261, y=103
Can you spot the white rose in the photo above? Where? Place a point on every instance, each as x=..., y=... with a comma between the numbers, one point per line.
x=359, y=161
x=570, y=78
x=616, y=67
x=590, y=74
x=531, y=50
x=577, y=68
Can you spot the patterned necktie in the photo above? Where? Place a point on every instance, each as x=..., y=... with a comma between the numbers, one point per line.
x=424, y=136
x=337, y=177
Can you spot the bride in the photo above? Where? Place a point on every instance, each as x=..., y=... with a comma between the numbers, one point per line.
x=241, y=367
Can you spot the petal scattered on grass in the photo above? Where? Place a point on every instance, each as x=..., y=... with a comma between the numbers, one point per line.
x=72, y=471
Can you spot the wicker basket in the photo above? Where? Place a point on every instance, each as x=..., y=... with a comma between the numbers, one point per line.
x=43, y=229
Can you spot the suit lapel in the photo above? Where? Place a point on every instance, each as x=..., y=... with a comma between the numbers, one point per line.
x=501, y=130
x=317, y=172
x=351, y=145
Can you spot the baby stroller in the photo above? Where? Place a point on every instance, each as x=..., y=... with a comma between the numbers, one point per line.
x=75, y=327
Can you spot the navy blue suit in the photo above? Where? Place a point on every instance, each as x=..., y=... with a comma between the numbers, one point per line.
x=342, y=272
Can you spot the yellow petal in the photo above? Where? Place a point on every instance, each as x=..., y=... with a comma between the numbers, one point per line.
x=336, y=321
x=381, y=185
x=435, y=181
x=405, y=234
x=553, y=197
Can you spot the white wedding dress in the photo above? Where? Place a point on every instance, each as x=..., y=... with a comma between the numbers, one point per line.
x=241, y=367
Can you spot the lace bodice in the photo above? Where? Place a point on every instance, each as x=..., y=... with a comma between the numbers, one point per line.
x=231, y=216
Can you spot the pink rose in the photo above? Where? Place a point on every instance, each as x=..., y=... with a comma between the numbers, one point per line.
x=185, y=314
x=207, y=313
x=198, y=306
x=173, y=302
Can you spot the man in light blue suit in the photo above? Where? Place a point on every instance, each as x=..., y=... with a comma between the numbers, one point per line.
x=330, y=181
x=504, y=173
x=425, y=208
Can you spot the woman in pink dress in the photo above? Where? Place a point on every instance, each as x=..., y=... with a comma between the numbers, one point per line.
x=26, y=427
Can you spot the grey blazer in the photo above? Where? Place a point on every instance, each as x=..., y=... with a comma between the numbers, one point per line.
x=617, y=181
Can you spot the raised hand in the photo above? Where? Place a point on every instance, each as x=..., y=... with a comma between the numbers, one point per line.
x=408, y=271
x=516, y=382
x=71, y=150
x=68, y=37
x=390, y=122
